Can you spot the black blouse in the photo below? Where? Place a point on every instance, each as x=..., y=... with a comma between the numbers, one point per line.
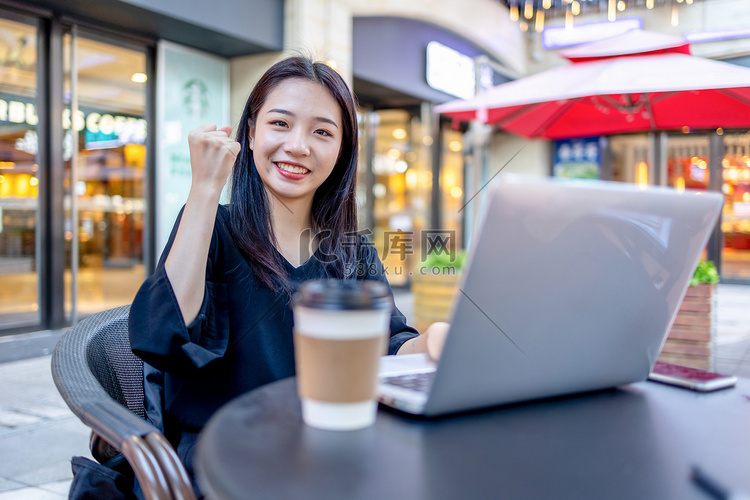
x=242, y=337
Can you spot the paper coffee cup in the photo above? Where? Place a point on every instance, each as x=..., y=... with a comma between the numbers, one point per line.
x=340, y=332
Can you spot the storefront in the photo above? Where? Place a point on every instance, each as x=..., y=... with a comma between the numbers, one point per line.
x=107, y=133
x=404, y=145
x=77, y=241
x=80, y=86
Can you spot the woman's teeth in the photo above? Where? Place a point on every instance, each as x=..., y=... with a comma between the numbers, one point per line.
x=292, y=168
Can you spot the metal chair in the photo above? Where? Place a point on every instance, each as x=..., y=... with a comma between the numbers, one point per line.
x=101, y=380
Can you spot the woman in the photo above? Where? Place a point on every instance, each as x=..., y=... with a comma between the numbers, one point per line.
x=215, y=316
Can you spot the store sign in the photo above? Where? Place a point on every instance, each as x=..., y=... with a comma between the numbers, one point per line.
x=577, y=158
x=15, y=110
x=450, y=71
x=106, y=130
x=558, y=37
x=192, y=90
x=116, y=130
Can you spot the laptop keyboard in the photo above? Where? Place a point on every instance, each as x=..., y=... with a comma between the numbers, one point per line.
x=420, y=382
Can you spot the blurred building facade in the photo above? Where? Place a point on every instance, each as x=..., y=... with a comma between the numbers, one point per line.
x=716, y=159
x=113, y=87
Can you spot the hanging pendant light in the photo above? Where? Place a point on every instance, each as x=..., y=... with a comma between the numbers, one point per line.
x=533, y=14
x=528, y=10
x=539, y=24
x=513, y=12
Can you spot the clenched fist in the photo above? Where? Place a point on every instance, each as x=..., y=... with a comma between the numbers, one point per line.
x=212, y=154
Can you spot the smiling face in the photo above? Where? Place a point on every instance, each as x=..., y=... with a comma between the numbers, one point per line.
x=296, y=139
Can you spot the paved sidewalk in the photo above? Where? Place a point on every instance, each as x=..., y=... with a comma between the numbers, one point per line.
x=39, y=435
x=732, y=346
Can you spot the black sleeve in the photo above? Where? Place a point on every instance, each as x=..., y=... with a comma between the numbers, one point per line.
x=370, y=267
x=158, y=333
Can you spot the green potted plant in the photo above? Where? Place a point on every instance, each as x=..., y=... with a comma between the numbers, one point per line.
x=690, y=340
x=705, y=273
x=433, y=284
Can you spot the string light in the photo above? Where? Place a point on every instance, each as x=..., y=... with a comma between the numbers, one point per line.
x=514, y=12
x=539, y=24
x=530, y=14
x=528, y=10
x=568, y=19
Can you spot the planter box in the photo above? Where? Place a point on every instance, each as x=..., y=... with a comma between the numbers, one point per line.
x=690, y=341
x=433, y=298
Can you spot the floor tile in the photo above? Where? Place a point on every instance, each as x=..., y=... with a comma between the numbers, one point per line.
x=59, y=487
x=8, y=484
x=32, y=493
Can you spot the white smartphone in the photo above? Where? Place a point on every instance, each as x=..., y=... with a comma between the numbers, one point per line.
x=690, y=378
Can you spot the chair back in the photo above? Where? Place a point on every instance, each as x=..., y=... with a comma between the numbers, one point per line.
x=94, y=370
x=112, y=362
x=101, y=381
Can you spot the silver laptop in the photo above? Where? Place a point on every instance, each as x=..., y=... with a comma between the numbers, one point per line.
x=570, y=286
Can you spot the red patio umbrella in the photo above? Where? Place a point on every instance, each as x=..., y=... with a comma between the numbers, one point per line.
x=660, y=88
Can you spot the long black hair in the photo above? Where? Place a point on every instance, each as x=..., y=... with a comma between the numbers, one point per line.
x=334, y=209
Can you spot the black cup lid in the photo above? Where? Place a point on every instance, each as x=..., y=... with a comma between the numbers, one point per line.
x=342, y=294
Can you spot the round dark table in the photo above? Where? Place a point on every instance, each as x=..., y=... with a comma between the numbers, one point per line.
x=635, y=442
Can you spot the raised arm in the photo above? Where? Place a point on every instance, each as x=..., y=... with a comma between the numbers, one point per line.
x=212, y=154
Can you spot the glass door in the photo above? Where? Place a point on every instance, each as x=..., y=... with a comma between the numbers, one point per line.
x=402, y=180
x=105, y=157
x=19, y=184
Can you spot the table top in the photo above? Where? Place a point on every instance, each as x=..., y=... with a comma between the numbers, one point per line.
x=638, y=441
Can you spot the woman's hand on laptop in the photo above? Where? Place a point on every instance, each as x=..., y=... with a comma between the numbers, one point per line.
x=430, y=341
x=435, y=338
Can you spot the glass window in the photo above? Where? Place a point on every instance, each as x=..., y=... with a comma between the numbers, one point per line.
x=19, y=185
x=687, y=162
x=630, y=159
